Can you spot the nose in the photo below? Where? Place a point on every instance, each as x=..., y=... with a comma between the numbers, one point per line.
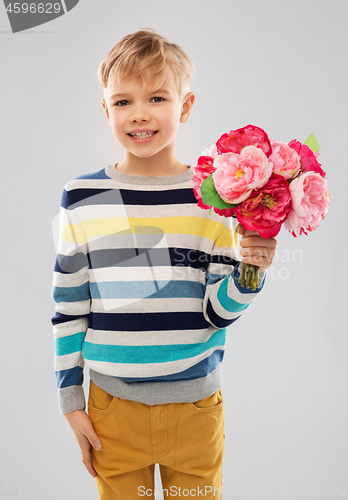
x=139, y=114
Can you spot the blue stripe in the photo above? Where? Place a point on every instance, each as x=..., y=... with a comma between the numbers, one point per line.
x=138, y=322
x=217, y=320
x=100, y=174
x=226, y=301
x=71, y=294
x=244, y=289
x=212, y=278
x=149, y=354
x=201, y=369
x=67, y=378
x=68, y=345
x=146, y=289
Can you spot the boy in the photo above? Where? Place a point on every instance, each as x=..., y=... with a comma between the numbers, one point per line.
x=145, y=284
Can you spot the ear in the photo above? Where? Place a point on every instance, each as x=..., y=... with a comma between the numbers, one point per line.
x=186, y=107
x=105, y=109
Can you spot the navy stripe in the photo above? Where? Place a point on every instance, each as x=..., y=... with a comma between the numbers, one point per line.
x=221, y=259
x=139, y=322
x=67, y=264
x=67, y=378
x=113, y=196
x=201, y=369
x=124, y=257
x=217, y=320
x=64, y=318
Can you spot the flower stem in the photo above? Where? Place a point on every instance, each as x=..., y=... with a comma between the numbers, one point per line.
x=241, y=280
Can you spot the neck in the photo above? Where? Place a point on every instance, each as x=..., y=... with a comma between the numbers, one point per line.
x=154, y=166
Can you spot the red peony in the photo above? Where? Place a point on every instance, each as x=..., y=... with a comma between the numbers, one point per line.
x=309, y=162
x=266, y=208
x=238, y=139
x=204, y=167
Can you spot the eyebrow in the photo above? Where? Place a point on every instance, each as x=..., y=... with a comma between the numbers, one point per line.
x=125, y=94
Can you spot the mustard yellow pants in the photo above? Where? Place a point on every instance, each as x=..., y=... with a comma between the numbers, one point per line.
x=185, y=439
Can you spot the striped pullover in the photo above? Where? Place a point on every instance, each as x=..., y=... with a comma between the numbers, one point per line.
x=145, y=284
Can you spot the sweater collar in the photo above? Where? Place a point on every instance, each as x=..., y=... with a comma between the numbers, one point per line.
x=113, y=173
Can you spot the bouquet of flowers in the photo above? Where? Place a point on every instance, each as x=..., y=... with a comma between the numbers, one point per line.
x=263, y=183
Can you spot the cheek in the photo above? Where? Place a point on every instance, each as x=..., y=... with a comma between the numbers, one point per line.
x=117, y=126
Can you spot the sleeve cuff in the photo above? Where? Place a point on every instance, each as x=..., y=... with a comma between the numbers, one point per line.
x=71, y=399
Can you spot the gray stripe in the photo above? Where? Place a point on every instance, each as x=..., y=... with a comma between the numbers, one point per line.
x=155, y=393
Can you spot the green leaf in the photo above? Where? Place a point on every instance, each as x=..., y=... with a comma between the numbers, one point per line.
x=312, y=143
x=210, y=196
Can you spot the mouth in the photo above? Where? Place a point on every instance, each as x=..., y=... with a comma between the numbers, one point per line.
x=142, y=135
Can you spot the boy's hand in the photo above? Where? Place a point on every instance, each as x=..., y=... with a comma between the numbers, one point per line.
x=255, y=249
x=82, y=427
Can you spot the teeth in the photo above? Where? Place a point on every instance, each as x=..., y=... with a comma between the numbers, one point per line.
x=143, y=134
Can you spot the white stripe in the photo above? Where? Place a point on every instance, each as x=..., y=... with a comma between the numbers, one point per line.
x=74, y=308
x=162, y=273
x=176, y=304
x=70, y=328
x=68, y=361
x=163, y=337
x=148, y=369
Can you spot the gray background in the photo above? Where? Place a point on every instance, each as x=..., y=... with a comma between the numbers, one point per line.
x=281, y=65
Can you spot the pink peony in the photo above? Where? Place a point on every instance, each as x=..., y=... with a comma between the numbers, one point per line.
x=266, y=208
x=286, y=161
x=310, y=202
x=204, y=168
x=236, y=175
x=308, y=157
x=211, y=151
x=238, y=139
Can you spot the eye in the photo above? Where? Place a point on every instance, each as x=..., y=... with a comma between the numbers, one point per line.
x=118, y=103
x=158, y=98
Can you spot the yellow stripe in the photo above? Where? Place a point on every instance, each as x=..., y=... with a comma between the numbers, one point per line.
x=197, y=226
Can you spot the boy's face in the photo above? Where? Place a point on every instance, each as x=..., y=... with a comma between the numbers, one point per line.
x=130, y=107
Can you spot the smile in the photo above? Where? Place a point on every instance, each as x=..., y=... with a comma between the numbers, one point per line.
x=142, y=136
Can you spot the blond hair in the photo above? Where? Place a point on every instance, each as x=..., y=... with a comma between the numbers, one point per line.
x=147, y=54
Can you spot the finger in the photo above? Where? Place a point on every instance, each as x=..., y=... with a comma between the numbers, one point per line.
x=258, y=241
x=257, y=252
x=87, y=462
x=240, y=229
x=89, y=433
x=250, y=233
x=258, y=260
x=86, y=447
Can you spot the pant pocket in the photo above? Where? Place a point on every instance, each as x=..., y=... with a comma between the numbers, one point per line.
x=210, y=403
x=100, y=401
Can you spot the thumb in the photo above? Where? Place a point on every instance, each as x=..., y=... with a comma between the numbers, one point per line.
x=95, y=441
x=93, y=438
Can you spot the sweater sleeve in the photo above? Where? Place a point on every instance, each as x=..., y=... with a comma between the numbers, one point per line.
x=225, y=299
x=70, y=292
